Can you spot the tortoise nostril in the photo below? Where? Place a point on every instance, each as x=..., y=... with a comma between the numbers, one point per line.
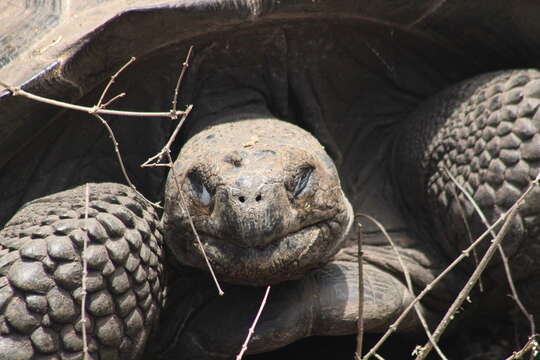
x=242, y=199
x=258, y=198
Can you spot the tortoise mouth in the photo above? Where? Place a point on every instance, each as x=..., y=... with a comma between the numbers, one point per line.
x=262, y=246
x=285, y=258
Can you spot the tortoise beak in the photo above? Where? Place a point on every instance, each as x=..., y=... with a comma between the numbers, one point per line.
x=252, y=214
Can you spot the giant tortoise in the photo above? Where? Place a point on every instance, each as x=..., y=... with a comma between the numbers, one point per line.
x=305, y=113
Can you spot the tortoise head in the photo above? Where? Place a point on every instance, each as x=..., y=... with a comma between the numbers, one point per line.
x=264, y=198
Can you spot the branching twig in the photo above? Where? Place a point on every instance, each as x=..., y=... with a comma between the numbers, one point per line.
x=409, y=283
x=464, y=293
x=504, y=258
x=531, y=345
x=465, y=253
x=185, y=65
x=100, y=109
x=155, y=160
x=84, y=273
x=252, y=328
x=17, y=91
x=121, y=95
x=166, y=148
x=111, y=81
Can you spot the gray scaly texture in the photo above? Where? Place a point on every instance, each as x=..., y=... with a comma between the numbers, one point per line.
x=486, y=133
x=41, y=275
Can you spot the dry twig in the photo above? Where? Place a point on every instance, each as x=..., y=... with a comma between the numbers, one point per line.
x=504, y=258
x=469, y=233
x=360, y=323
x=510, y=214
x=17, y=91
x=100, y=108
x=409, y=283
x=464, y=293
x=185, y=65
x=84, y=272
x=100, y=104
x=252, y=328
x=155, y=161
x=95, y=114
x=531, y=345
x=465, y=253
x=117, y=152
x=183, y=205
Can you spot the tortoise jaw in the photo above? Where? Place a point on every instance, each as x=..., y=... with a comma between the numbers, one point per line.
x=286, y=258
x=262, y=243
x=282, y=259
x=269, y=219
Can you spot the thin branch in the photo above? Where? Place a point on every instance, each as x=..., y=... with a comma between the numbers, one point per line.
x=531, y=345
x=432, y=9
x=185, y=65
x=85, y=272
x=156, y=159
x=464, y=293
x=252, y=328
x=166, y=151
x=111, y=81
x=469, y=233
x=409, y=283
x=183, y=205
x=121, y=95
x=119, y=158
x=504, y=258
x=465, y=253
x=17, y=91
x=166, y=148
x=116, y=149
x=360, y=323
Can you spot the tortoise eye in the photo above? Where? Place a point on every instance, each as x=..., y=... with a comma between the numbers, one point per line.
x=199, y=189
x=301, y=180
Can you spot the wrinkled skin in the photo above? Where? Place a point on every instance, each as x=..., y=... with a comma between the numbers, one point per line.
x=264, y=197
x=356, y=75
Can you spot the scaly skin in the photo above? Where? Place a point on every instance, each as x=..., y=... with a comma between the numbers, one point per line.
x=41, y=275
x=265, y=198
x=486, y=133
x=250, y=194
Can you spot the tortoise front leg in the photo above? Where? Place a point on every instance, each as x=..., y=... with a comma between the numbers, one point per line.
x=483, y=135
x=41, y=273
x=202, y=325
